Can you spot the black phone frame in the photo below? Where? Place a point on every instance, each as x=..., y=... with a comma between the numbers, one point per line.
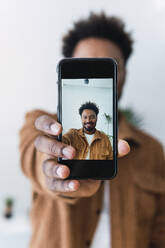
x=71, y=68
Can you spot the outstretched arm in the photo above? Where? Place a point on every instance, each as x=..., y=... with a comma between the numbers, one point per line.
x=39, y=151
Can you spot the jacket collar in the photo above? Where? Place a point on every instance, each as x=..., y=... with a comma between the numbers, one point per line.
x=97, y=134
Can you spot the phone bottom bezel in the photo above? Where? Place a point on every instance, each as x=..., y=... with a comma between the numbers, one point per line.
x=90, y=169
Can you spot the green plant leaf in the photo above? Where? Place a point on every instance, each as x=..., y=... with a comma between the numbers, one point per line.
x=132, y=117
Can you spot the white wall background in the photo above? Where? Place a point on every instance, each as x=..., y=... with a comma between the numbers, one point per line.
x=30, y=41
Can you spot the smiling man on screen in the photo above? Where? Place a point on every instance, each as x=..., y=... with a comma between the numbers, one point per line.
x=89, y=142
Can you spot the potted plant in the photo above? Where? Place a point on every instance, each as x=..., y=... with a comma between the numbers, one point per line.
x=8, y=207
x=108, y=119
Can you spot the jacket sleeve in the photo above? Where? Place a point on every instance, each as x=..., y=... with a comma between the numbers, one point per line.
x=158, y=234
x=110, y=151
x=31, y=160
x=66, y=138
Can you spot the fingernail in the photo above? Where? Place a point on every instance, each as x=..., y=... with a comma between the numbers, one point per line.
x=59, y=171
x=54, y=128
x=68, y=152
x=71, y=185
x=123, y=147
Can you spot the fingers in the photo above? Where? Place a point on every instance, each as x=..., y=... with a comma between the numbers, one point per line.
x=48, y=125
x=123, y=148
x=54, y=170
x=54, y=147
x=62, y=185
x=54, y=174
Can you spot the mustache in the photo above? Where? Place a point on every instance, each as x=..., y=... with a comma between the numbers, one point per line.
x=88, y=123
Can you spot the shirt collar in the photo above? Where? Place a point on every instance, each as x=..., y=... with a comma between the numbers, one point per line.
x=97, y=134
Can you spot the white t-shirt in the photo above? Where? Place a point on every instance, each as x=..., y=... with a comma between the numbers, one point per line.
x=89, y=138
x=102, y=236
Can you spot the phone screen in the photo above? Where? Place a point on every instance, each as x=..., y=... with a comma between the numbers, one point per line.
x=87, y=117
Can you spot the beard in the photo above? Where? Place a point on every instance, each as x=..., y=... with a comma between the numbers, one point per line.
x=90, y=126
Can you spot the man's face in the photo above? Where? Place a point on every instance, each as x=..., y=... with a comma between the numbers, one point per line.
x=99, y=48
x=89, y=120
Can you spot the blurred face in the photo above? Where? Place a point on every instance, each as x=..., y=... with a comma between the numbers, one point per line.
x=99, y=48
x=89, y=120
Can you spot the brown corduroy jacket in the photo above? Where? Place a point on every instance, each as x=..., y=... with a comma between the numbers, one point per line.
x=137, y=197
x=100, y=148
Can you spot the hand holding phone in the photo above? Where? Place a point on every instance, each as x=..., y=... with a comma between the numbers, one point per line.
x=56, y=174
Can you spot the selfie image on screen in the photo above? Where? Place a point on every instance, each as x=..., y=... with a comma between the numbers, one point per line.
x=87, y=117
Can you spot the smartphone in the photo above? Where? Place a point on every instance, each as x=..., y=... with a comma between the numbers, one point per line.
x=87, y=110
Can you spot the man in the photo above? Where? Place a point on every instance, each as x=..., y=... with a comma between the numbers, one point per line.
x=88, y=142
x=65, y=213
